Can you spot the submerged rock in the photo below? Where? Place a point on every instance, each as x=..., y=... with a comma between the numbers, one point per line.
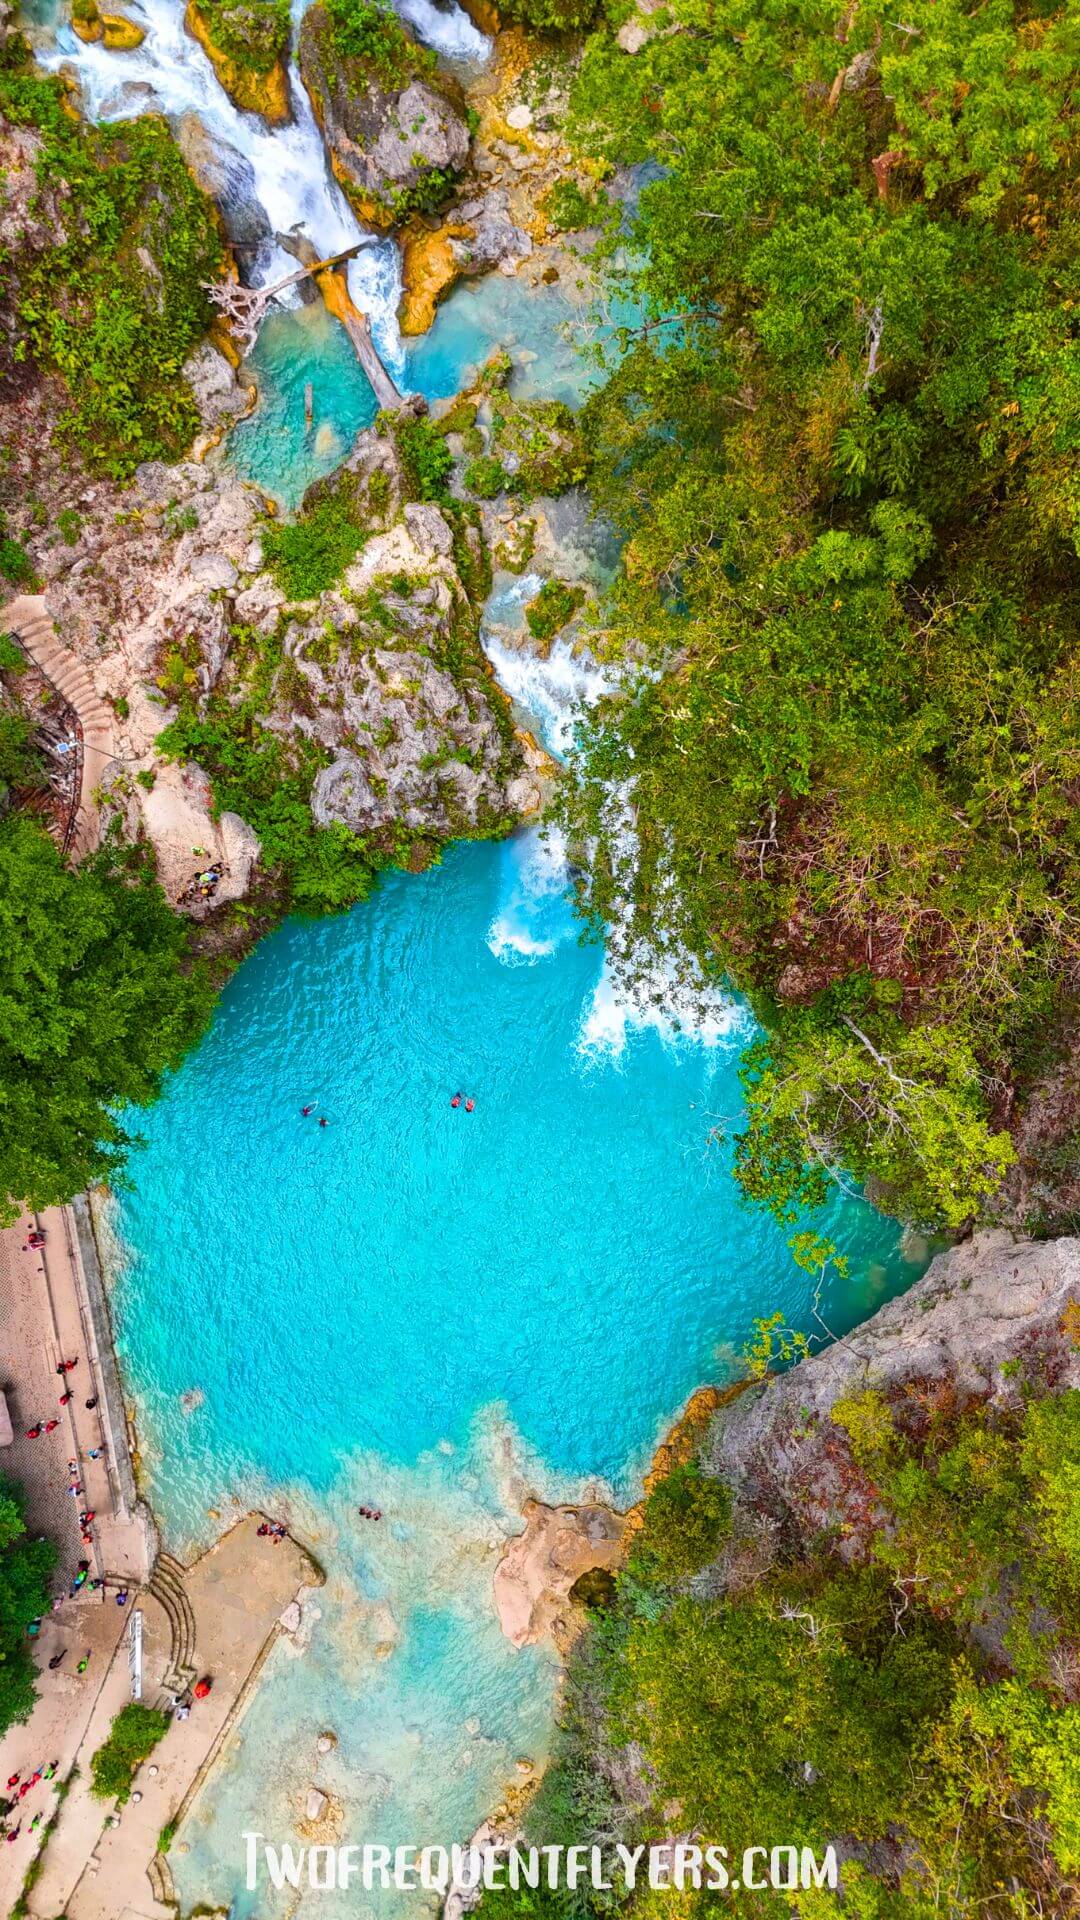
x=394, y=130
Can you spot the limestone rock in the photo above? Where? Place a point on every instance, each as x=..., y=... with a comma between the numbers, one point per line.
x=255, y=89
x=392, y=145
x=86, y=22
x=478, y=234
x=120, y=34
x=978, y=1306
x=218, y=394
x=641, y=25
x=228, y=177
x=483, y=14
x=315, y=1805
x=538, y=1568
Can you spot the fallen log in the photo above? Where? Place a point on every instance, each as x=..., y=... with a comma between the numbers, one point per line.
x=244, y=308
x=330, y=278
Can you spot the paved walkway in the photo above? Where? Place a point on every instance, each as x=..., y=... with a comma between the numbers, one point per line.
x=45, y=1317
x=238, y=1591
x=29, y=618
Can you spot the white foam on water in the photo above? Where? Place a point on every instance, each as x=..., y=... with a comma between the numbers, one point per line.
x=511, y=943
x=635, y=992
x=556, y=691
x=293, y=182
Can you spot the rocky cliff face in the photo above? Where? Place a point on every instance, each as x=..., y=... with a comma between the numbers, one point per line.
x=981, y=1308
x=396, y=134
x=228, y=178
x=163, y=592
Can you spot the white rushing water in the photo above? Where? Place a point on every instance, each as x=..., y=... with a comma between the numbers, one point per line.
x=170, y=74
x=635, y=990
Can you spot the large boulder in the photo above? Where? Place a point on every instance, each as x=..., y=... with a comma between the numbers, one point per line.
x=246, y=43
x=478, y=234
x=228, y=178
x=394, y=127
x=979, y=1308
x=540, y=1567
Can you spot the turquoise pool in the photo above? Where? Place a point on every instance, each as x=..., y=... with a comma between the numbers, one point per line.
x=431, y=1310
x=543, y=327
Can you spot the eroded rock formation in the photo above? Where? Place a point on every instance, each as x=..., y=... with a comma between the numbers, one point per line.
x=540, y=1566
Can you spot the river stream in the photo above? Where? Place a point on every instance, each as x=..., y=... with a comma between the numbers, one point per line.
x=431, y=1312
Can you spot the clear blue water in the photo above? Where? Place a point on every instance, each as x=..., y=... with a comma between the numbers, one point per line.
x=431, y=1310
x=544, y=327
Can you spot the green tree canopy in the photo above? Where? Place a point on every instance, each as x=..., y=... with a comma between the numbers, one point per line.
x=98, y=996
x=25, y=1566
x=844, y=454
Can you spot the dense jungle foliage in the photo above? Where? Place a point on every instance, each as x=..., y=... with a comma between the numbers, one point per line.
x=843, y=449
x=106, y=287
x=908, y=1694
x=98, y=996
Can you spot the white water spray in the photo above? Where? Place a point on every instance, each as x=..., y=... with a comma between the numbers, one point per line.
x=636, y=990
x=292, y=180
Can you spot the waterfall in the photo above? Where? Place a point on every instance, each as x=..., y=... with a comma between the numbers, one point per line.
x=170, y=74
x=635, y=989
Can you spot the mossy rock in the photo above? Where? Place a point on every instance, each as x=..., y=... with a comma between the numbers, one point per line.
x=120, y=34
x=246, y=45
x=394, y=127
x=548, y=613
x=86, y=21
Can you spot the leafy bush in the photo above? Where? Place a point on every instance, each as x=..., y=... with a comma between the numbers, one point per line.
x=425, y=457
x=134, y=1734
x=25, y=1566
x=112, y=1000
x=551, y=608
x=309, y=555
x=268, y=782
x=552, y=16
x=20, y=761
x=458, y=418
x=86, y=304
x=542, y=444
x=16, y=566
x=571, y=208
x=687, y=1519
x=363, y=30
x=485, y=477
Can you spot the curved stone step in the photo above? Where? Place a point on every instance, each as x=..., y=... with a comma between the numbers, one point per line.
x=28, y=617
x=171, y=1596
x=168, y=1580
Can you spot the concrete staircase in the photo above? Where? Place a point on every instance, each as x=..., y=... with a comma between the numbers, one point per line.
x=29, y=619
x=167, y=1583
x=162, y=1886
